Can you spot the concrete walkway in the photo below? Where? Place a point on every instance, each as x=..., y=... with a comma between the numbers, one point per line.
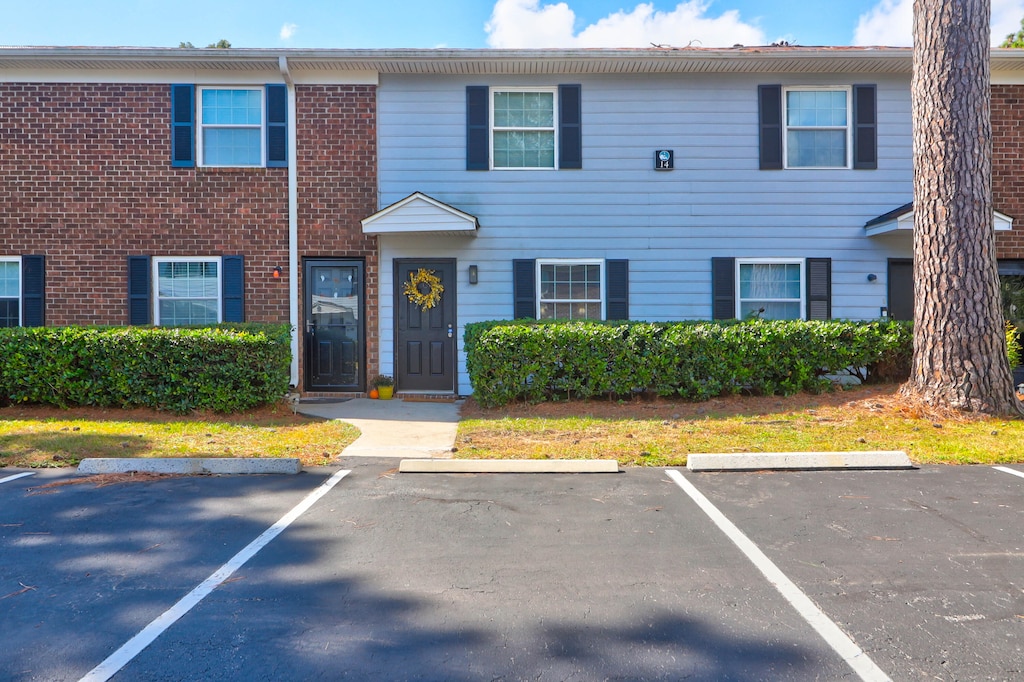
x=394, y=428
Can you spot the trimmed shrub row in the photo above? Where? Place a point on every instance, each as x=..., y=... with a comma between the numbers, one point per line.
x=537, y=361
x=227, y=368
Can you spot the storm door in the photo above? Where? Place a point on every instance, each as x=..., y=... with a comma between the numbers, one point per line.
x=334, y=325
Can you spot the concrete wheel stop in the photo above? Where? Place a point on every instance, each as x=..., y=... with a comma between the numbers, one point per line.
x=764, y=461
x=508, y=466
x=190, y=465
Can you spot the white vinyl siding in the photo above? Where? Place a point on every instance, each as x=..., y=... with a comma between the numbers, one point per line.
x=231, y=127
x=188, y=291
x=523, y=131
x=10, y=291
x=770, y=289
x=570, y=289
x=818, y=131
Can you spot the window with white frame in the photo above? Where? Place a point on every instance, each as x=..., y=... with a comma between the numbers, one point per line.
x=10, y=291
x=231, y=127
x=188, y=291
x=770, y=289
x=523, y=128
x=570, y=289
x=817, y=127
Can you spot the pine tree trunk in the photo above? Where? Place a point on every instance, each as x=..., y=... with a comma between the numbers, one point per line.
x=959, y=345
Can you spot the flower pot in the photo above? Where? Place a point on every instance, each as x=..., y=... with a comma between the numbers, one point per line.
x=385, y=392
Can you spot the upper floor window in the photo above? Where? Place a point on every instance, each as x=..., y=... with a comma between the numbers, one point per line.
x=231, y=127
x=523, y=128
x=10, y=291
x=817, y=127
x=570, y=289
x=188, y=291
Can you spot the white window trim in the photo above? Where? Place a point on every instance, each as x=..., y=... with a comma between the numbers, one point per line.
x=155, y=278
x=21, y=287
x=492, y=129
x=571, y=261
x=786, y=127
x=773, y=261
x=200, y=126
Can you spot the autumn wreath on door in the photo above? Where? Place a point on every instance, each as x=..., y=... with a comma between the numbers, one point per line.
x=423, y=289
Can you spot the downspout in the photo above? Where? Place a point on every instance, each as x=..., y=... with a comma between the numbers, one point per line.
x=293, y=221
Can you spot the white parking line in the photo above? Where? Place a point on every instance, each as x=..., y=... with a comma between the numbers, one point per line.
x=829, y=631
x=133, y=647
x=1005, y=470
x=17, y=476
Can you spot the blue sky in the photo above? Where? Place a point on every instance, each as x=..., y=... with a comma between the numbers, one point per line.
x=467, y=23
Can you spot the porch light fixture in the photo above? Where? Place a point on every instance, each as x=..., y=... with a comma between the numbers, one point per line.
x=277, y=272
x=872, y=277
x=473, y=274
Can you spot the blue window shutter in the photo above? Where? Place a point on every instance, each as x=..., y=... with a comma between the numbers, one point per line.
x=819, y=288
x=769, y=113
x=570, y=131
x=277, y=126
x=232, y=284
x=183, y=114
x=865, y=127
x=617, y=289
x=723, y=288
x=139, y=310
x=478, y=127
x=33, y=285
x=524, y=289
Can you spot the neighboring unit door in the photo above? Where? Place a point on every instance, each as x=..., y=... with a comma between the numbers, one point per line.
x=334, y=330
x=425, y=348
x=901, y=289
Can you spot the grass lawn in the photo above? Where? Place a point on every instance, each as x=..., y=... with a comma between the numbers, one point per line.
x=663, y=432
x=37, y=436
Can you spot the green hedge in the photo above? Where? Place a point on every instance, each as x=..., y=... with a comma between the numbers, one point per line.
x=537, y=361
x=226, y=368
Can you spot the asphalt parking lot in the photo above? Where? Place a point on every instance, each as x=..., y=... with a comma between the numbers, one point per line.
x=542, y=577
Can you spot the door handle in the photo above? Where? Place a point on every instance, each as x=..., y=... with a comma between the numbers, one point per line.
x=451, y=332
x=310, y=327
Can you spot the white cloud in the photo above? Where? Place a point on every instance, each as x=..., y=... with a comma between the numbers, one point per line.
x=891, y=22
x=288, y=30
x=527, y=23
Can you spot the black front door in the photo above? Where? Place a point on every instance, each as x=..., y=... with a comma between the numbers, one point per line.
x=334, y=329
x=425, y=339
x=901, y=289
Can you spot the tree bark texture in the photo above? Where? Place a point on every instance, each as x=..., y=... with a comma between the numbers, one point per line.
x=959, y=343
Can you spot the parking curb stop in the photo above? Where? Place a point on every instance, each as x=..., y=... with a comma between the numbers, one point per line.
x=190, y=465
x=866, y=459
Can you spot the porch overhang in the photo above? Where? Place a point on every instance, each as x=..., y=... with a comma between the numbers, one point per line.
x=901, y=221
x=419, y=214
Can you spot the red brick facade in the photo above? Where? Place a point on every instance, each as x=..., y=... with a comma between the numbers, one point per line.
x=86, y=180
x=1008, y=165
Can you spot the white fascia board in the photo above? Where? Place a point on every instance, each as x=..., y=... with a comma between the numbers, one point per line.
x=197, y=76
x=1000, y=222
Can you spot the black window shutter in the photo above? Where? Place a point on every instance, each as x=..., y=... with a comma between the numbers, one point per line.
x=33, y=285
x=865, y=127
x=183, y=112
x=478, y=124
x=138, y=290
x=723, y=288
x=277, y=126
x=617, y=289
x=769, y=112
x=524, y=289
x=232, y=283
x=819, y=288
x=570, y=132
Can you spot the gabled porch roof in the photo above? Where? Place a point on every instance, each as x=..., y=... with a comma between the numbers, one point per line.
x=421, y=214
x=902, y=220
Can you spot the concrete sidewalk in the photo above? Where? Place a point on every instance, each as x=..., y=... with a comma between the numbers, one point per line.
x=394, y=428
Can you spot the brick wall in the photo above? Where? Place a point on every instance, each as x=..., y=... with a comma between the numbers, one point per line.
x=86, y=179
x=1008, y=165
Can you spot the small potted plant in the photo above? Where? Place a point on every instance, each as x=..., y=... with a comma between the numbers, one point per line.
x=385, y=386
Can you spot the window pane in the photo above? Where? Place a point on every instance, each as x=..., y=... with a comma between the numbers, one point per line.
x=524, y=149
x=570, y=291
x=773, y=310
x=524, y=109
x=816, y=108
x=9, y=312
x=10, y=279
x=232, y=146
x=816, y=148
x=762, y=285
x=232, y=107
x=187, y=292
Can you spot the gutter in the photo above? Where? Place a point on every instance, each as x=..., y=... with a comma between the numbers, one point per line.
x=293, y=222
